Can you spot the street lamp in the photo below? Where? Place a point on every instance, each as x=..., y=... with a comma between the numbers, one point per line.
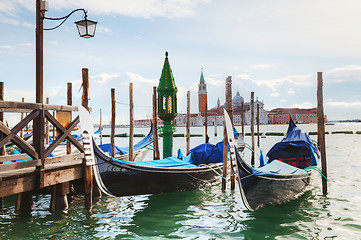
x=86, y=29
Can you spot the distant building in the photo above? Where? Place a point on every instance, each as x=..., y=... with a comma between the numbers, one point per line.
x=282, y=115
x=215, y=114
x=202, y=94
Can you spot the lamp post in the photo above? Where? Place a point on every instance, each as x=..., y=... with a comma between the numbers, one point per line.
x=86, y=28
x=167, y=105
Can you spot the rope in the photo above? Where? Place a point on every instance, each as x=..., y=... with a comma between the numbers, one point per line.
x=316, y=143
x=210, y=167
x=318, y=170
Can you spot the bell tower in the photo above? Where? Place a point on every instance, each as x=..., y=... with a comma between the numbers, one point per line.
x=202, y=94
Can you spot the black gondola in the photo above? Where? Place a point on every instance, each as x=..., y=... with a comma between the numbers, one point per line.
x=124, y=178
x=276, y=182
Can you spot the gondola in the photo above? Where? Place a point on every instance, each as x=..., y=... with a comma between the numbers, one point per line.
x=139, y=150
x=285, y=177
x=172, y=174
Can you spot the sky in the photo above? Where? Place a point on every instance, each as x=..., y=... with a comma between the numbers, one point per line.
x=273, y=48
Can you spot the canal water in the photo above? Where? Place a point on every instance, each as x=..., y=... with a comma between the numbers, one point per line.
x=210, y=213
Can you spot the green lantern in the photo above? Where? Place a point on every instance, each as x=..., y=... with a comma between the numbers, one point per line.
x=167, y=105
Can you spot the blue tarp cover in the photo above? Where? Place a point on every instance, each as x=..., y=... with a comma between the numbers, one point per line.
x=125, y=150
x=169, y=162
x=207, y=153
x=277, y=167
x=294, y=137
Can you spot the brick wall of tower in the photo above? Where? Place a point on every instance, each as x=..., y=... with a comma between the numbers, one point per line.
x=202, y=100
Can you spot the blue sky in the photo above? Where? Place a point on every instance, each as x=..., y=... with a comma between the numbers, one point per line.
x=274, y=48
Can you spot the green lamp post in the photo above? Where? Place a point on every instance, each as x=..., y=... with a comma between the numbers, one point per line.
x=167, y=105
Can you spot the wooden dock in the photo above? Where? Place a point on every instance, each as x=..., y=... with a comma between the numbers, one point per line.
x=33, y=171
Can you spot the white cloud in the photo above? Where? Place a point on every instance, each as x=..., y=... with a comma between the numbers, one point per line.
x=300, y=80
x=103, y=78
x=291, y=91
x=303, y=105
x=27, y=45
x=136, y=8
x=138, y=80
x=213, y=82
x=17, y=95
x=275, y=94
x=344, y=104
x=350, y=73
x=261, y=66
x=102, y=29
x=6, y=47
x=28, y=25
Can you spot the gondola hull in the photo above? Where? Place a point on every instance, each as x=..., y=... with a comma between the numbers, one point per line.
x=262, y=191
x=274, y=184
x=123, y=179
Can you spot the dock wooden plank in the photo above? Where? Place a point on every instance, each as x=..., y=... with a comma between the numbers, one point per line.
x=10, y=186
x=62, y=176
x=17, y=185
x=13, y=106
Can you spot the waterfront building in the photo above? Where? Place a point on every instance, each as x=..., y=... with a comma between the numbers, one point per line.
x=282, y=115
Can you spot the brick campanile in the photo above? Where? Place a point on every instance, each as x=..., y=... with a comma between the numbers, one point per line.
x=202, y=94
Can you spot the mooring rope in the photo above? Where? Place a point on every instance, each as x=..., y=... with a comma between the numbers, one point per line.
x=318, y=170
x=210, y=167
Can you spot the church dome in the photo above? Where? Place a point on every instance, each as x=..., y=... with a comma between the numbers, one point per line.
x=237, y=100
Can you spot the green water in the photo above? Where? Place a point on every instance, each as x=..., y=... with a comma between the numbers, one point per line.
x=208, y=213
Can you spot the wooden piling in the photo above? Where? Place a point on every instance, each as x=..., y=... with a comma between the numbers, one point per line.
x=69, y=102
x=112, y=123
x=242, y=116
x=46, y=125
x=229, y=108
x=131, y=121
x=21, y=118
x=252, y=127
x=188, y=121
x=156, y=155
x=88, y=170
x=100, y=127
x=321, y=130
x=258, y=142
x=225, y=155
x=2, y=150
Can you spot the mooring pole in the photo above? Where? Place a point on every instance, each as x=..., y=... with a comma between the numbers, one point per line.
x=69, y=94
x=100, y=126
x=155, y=126
x=229, y=109
x=258, y=142
x=88, y=170
x=2, y=150
x=112, y=123
x=188, y=121
x=225, y=153
x=242, y=116
x=46, y=125
x=252, y=127
x=321, y=130
x=22, y=117
x=131, y=122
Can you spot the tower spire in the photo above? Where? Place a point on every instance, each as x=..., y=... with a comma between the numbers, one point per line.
x=202, y=94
